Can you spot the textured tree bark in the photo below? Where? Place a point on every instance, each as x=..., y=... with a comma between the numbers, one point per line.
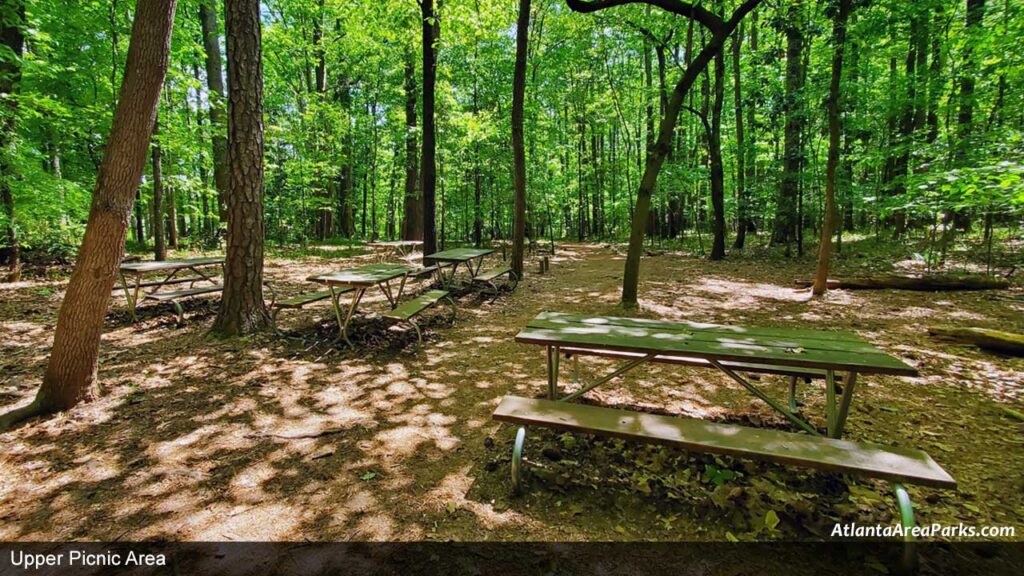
x=741, y=151
x=412, y=220
x=242, y=309
x=831, y=212
x=657, y=153
x=71, y=371
x=518, y=146
x=218, y=120
x=12, y=37
x=920, y=284
x=789, y=184
x=428, y=170
x=159, y=243
x=715, y=162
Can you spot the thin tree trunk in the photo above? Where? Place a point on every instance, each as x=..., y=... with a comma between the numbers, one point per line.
x=741, y=151
x=159, y=244
x=12, y=38
x=242, y=310
x=518, y=148
x=715, y=162
x=786, y=217
x=428, y=170
x=71, y=371
x=217, y=98
x=413, y=204
x=831, y=220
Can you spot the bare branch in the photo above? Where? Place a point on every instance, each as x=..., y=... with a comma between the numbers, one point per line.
x=703, y=16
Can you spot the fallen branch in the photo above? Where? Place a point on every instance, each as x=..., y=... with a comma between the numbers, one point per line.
x=297, y=435
x=984, y=338
x=922, y=283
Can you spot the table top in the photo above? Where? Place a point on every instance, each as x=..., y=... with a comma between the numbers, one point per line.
x=395, y=243
x=460, y=254
x=842, y=351
x=168, y=265
x=367, y=274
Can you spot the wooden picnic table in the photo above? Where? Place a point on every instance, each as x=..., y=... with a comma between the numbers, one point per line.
x=171, y=268
x=400, y=248
x=730, y=349
x=473, y=258
x=357, y=280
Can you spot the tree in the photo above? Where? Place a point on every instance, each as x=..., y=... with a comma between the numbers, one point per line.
x=71, y=370
x=242, y=309
x=786, y=218
x=159, y=244
x=215, y=84
x=741, y=147
x=12, y=39
x=715, y=162
x=720, y=30
x=518, y=147
x=831, y=217
x=412, y=223
x=428, y=170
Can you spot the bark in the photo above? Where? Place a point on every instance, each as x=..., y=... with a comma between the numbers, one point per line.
x=741, y=151
x=325, y=216
x=159, y=243
x=518, y=147
x=242, y=309
x=658, y=152
x=786, y=216
x=413, y=205
x=12, y=38
x=965, y=114
x=831, y=216
x=346, y=178
x=917, y=284
x=1009, y=343
x=217, y=97
x=428, y=169
x=715, y=161
x=71, y=371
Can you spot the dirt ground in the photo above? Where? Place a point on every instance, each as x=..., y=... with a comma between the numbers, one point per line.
x=288, y=437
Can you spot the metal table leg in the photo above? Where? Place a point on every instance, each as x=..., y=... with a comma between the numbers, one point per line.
x=343, y=321
x=552, y=372
x=844, y=403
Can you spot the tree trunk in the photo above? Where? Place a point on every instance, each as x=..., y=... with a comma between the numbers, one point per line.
x=218, y=121
x=994, y=340
x=830, y=219
x=242, y=310
x=428, y=170
x=413, y=205
x=789, y=184
x=715, y=161
x=518, y=147
x=71, y=371
x=346, y=179
x=159, y=244
x=658, y=152
x=741, y=151
x=921, y=284
x=12, y=38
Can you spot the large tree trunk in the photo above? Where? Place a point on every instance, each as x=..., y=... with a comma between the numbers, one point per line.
x=518, y=147
x=242, y=310
x=994, y=340
x=659, y=151
x=159, y=244
x=715, y=162
x=785, y=231
x=346, y=179
x=831, y=212
x=412, y=220
x=428, y=170
x=919, y=284
x=12, y=38
x=741, y=150
x=325, y=214
x=217, y=96
x=71, y=371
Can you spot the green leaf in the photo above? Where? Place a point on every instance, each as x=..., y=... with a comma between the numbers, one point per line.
x=771, y=520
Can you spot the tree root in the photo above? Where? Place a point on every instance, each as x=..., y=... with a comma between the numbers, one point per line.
x=12, y=419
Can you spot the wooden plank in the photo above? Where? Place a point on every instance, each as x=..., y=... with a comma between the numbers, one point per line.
x=700, y=362
x=492, y=274
x=368, y=274
x=303, y=299
x=460, y=254
x=843, y=456
x=168, y=265
x=684, y=325
x=630, y=340
x=151, y=283
x=769, y=340
x=168, y=296
x=413, y=307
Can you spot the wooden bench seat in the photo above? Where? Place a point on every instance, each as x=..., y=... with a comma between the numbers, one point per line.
x=152, y=283
x=175, y=295
x=894, y=464
x=406, y=311
x=298, y=302
x=490, y=276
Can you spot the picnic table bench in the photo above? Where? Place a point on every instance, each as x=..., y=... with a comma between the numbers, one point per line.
x=488, y=278
x=358, y=280
x=472, y=258
x=730, y=349
x=139, y=269
x=408, y=310
x=400, y=248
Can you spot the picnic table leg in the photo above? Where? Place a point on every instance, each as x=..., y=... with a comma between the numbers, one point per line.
x=517, y=460
x=766, y=399
x=343, y=321
x=844, y=403
x=830, y=403
x=792, y=394
x=131, y=299
x=907, y=520
x=552, y=372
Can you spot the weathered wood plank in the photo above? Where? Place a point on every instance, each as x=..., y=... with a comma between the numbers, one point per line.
x=368, y=274
x=176, y=294
x=168, y=265
x=492, y=274
x=412, y=307
x=843, y=456
x=460, y=254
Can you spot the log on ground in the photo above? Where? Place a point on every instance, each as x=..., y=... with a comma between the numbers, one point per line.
x=994, y=340
x=917, y=283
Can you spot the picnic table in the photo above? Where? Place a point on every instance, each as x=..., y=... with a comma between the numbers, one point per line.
x=400, y=248
x=473, y=258
x=730, y=349
x=358, y=280
x=171, y=268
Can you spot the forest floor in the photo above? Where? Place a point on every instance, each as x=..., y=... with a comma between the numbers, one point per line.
x=291, y=438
